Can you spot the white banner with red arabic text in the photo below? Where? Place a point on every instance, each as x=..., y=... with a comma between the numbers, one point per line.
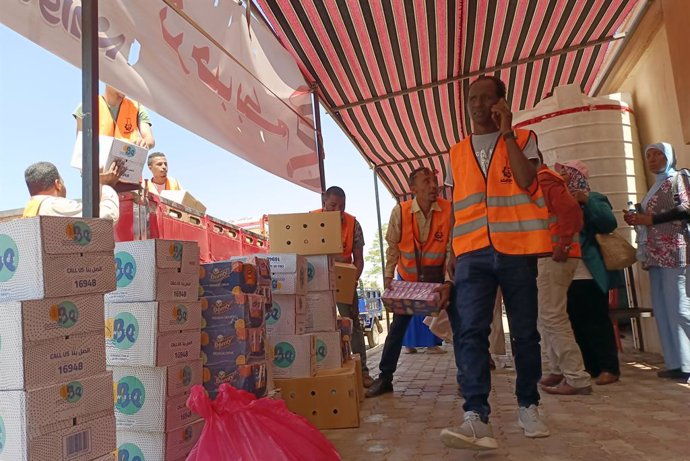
x=241, y=91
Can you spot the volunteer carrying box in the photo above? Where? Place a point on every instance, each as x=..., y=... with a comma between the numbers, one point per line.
x=227, y=309
x=152, y=334
x=411, y=298
x=321, y=309
x=33, y=365
x=111, y=149
x=52, y=257
x=143, y=401
x=84, y=438
x=158, y=446
x=320, y=273
x=250, y=377
x=288, y=315
x=289, y=273
x=328, y=350
x=156, y=270
x=306, y=233
x=294, y=356
x=345, y=282
x=232, y=344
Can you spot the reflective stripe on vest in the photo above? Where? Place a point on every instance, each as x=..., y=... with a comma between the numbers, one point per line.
x=348, y=236
x=494, y=210
x=127, y=126
x=432, y=252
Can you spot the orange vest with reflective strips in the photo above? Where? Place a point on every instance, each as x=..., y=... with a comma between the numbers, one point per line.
x=432, y=252
x=170, y=184
x=127, y=126
x=575, y=249
x=31, y=208
x=348, y=235
x=494, y=210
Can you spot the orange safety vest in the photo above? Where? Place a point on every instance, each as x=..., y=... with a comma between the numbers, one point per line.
x=575, y=249
x=348, y=235
x=127, y=126
x=31, y=209
x=432, y=252
x=170, y=184
x=494, y=210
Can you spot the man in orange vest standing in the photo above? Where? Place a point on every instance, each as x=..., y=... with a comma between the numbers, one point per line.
x=160, y=180
x=353, y=253
x=418, y=245
x=500, y=229
x=122, y=118
x=567, y=375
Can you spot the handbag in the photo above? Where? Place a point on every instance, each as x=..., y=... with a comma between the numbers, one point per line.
x=616, y=251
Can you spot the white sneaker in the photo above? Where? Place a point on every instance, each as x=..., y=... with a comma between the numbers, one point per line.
x=530, y=421
x=473, y=434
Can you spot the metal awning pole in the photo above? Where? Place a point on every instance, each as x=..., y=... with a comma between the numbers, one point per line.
x=319, y=140
x=383, y=256
x=90, y=186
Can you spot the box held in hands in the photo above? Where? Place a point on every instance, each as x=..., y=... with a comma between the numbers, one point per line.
x=411, y=298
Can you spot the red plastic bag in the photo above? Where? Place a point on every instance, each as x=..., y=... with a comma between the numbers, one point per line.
x=241, y=428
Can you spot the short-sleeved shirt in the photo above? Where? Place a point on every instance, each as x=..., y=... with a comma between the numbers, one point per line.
x=114, y=111
x=358, y=238
x=483, y=145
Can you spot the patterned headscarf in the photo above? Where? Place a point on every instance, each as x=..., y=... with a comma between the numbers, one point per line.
x=579, y=174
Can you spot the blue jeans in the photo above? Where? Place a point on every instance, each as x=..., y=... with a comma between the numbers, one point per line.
x=477, y=276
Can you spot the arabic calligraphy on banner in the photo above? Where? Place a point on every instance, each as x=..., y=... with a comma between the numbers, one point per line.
x=199, y=67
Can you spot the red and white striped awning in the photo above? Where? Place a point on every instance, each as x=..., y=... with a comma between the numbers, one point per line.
x=394, y=73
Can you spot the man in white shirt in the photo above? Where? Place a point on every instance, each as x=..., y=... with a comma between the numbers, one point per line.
x=48, y=192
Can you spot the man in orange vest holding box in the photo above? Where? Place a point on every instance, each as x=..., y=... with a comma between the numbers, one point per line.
x=353, y=253
x=418, y=246
x=122, y=118
x=500, y=229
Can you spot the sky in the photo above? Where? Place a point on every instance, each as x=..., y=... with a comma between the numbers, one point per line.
x=39, y=92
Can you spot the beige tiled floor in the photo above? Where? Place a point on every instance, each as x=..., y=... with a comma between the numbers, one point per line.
x=640, y=418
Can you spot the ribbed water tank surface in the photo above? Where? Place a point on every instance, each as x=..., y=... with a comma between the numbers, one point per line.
x=601, y=132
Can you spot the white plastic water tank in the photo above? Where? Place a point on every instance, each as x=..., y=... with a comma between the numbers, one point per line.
x=601, y=132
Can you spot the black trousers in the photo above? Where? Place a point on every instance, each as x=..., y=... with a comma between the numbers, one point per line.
x=588, y=309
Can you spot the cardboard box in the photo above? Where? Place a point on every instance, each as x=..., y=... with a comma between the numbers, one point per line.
x=354, y=362
x=236, y=275
x=320, y=273
x=53, y=257
x=156, y=270
x=306, y=233
x=293, y=355
x=251, y=377
x=411, y=298
x=148, y=333
x=289, y=272
x=290, y=284
x=234, y=309
x=84, y=438
x=184, y=198
x=110, y=456
x=328, y=351
x=328, y=400
x=232, y=345
x=287, y=263
x=321, y=311
x=158, y=446
x=143, y=402
x=53, y=318
x=345, y=283
x=344, y=324
x=33, y=365
x=110, y=149
x=288, y=315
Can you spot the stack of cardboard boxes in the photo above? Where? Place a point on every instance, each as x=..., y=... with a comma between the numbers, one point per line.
x=55, y=393
x=153, y=322
x=308, y=349
x=234, y=298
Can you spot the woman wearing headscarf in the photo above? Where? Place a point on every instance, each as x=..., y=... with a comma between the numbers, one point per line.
x=588, y=295
x=663, y=250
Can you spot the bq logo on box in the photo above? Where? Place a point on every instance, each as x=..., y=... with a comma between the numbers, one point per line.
x=129, y=452
x=125, y=269
x=180, y=314
x=72, y=392
x=175, y=251
x=273, y=315
x=284, y=355
x=130, y=395
x=186, y=376
x=65, y=314
x=311, y=272
x=9, y=257
x=79, y=232
x=125, y=330
x=321, y=350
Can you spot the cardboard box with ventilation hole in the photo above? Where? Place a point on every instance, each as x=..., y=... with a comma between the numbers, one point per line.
x=345, y=282
x=306, y=233
x=328, y=400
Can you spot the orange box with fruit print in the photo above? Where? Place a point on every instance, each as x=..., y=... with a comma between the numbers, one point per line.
x=233, y=344
x=247, y=274
x=228, y=309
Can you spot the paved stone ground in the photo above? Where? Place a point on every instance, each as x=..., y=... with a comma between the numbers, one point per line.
x=640, y=418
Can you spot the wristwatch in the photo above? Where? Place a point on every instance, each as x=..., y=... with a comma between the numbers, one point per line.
x=508, y=135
